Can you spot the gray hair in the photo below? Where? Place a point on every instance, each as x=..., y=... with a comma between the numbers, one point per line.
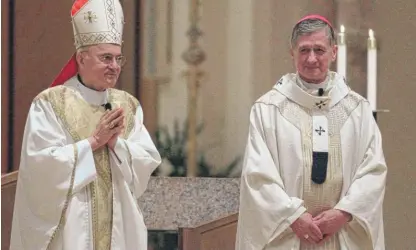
x=83, y=48
x=309, y=26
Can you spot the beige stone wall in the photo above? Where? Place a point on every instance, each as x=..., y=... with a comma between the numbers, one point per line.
x=395, y=26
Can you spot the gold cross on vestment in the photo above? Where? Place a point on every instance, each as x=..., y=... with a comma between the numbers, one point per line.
x=90, y=17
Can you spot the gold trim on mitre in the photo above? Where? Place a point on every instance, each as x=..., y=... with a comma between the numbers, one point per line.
x=97, y=22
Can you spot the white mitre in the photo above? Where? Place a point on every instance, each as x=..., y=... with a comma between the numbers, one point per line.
x=96, y=22
x=93, y=22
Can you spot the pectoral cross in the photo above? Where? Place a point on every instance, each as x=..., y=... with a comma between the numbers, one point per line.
x=320, y=130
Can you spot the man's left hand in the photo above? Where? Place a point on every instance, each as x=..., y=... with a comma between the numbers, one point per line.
x=331, y=221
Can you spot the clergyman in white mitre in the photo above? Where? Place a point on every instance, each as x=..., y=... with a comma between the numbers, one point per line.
x=314, y=172
x=86, y=155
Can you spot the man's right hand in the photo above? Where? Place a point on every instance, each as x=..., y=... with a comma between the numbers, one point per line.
x=306, y=230
x=106, y=128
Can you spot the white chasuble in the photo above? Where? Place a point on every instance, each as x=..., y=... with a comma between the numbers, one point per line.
x=69, y=197
x=311, y=153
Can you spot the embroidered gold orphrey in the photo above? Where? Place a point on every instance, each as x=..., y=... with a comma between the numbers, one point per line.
x=80, y=119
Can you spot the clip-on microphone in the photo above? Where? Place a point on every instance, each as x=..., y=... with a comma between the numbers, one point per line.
x=107, y=106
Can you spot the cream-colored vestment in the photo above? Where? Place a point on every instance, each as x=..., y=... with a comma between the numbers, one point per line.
x=287, y=125
x=69, y=197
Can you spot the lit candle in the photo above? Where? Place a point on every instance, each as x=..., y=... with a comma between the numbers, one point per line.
x=342, y=53
x=372, y=70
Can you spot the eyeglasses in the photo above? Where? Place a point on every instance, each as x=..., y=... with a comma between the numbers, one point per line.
x=108, y=59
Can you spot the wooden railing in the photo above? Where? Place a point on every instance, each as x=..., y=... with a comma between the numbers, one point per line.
x=218, y=234
x=8, y=190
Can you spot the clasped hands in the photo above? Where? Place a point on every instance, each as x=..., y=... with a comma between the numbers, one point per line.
x=110, y=126
x=316, y=230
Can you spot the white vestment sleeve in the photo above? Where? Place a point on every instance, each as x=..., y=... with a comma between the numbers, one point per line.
x=138, y=156
x=364, y=198
x=50, y=165
x=265, y=210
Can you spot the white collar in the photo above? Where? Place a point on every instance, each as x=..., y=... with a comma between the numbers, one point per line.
x=89, y=95
x=287, y=85
x=313, y=88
